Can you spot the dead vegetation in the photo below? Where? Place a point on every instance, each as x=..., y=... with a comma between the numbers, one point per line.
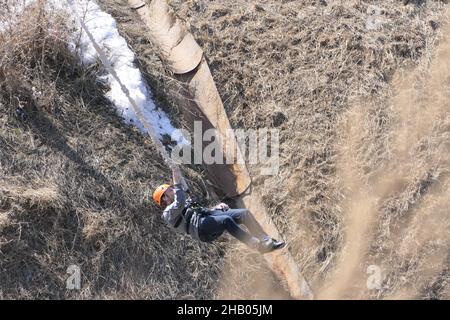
x=72, y=178
x=72, y=175
x=298, y=66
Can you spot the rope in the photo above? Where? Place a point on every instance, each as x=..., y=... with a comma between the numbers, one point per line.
x=108, y=66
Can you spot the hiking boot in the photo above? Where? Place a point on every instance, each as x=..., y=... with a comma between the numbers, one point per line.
x=278, y=244
x=268, y=244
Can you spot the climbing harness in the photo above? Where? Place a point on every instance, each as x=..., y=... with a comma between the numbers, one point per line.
x=189, y=210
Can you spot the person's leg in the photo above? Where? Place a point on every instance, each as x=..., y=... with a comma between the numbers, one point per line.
x=210, y=229
x=245, y=217
x=216, y=223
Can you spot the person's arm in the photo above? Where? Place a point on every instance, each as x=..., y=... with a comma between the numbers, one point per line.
x=178, y=178
x=180, y=195
x=179, y=200
x=174, y=211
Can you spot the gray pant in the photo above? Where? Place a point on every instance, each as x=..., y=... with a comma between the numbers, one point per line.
x=217, y=222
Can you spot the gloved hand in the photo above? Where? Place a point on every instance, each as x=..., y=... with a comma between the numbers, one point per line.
x=177, y=176
x=222, y=206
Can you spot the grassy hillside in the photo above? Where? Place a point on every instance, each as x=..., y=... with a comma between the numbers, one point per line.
x=299, y=66
x=362, y=106
x=72, y=176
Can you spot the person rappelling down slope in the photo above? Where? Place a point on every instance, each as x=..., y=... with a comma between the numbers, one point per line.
x=187, y=216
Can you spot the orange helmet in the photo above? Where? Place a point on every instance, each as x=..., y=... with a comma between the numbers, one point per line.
x=158, y=193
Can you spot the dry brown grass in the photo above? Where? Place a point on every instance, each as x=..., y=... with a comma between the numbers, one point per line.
x=298, y=66
x=72, y=178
